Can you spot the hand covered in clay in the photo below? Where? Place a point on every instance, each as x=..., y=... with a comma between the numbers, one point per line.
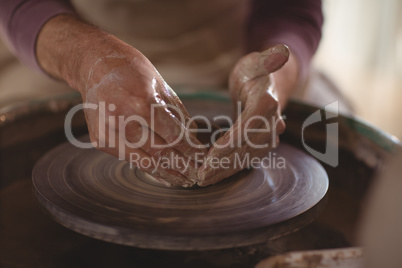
x=141, y=114
x=256, y=129
x=131, y=112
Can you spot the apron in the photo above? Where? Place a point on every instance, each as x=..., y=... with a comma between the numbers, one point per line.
x=190, y=42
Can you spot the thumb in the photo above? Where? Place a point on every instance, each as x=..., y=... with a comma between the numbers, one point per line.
x=274, y=58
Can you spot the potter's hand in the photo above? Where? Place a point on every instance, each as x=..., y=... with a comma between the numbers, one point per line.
x=145, y=112
x=137, y=103
x=256, y=129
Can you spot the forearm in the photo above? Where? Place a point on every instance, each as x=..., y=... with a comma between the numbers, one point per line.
x=21, y=21
x=67, y=48
x=292, y=22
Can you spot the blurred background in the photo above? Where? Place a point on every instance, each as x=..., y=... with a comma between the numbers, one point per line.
x=361, y=51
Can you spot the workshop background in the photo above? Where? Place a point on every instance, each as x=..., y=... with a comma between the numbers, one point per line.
x=361, y=51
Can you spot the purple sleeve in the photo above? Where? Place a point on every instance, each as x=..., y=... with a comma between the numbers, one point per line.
x=296, y=23
x=21, y=22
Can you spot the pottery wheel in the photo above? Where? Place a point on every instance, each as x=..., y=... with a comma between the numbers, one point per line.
x=97, y=195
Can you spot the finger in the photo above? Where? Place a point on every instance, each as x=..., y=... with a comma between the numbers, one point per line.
x=243, y=157
x=169, y=176
x=175, y=133
x=177, y=108
x=169, y=156
x=274, y=58
x=129, y=134
x=165, y=163
x=146, y=163
x=261, y=111
x=256, y=65
x=254, y=131
x=150, y=165
x=155, y=146
x=163, y=122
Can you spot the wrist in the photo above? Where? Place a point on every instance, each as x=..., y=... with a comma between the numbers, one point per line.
x=68, y=48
